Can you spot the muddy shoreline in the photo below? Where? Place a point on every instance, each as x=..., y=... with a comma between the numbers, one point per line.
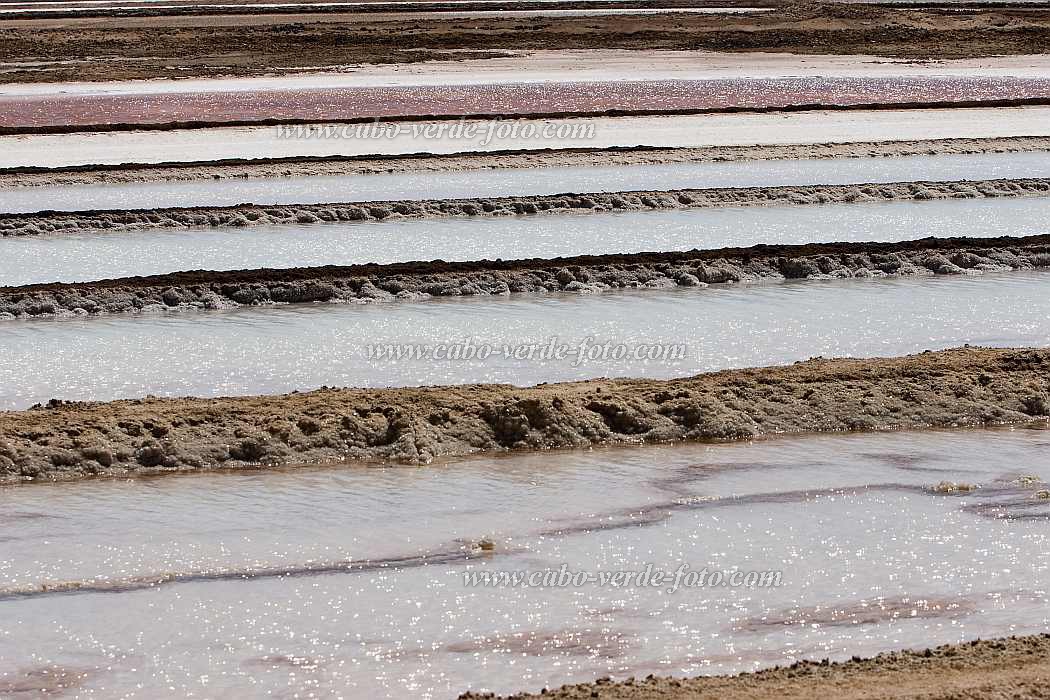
x=58, y=50
x=374, y=8
x=978, y=670
x=107, y=127
x=247, y=215
x=591, y=274
x=952, y=388
x=546, y=158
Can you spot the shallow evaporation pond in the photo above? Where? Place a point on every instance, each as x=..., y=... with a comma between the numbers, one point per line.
x=528, y=97
x=317, y=189
x=272, y=350
x=193, y=145
x=870, y=559
x=90, y=256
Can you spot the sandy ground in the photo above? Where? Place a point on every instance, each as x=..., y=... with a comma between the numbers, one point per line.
x=196, y=145
x=517, y=160
x=129, y=48
x=248, y=215
x=592, y=274
x=1018, y=667
x=964, y=387
x=595, y=65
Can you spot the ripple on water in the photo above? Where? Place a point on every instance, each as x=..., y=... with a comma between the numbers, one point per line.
x=87, y=256
x=463, y=184
x=872, y=557
x=276, y=350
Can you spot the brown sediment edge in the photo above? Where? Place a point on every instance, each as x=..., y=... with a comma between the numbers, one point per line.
x=517, y=159
x=492, y=116
x=385, y=8
x=950, y=388
x=245, y=215
x=586, y=274
x=954, y=5
x=1014, y=667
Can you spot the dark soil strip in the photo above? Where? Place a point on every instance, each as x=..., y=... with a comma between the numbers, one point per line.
x=251, y=215
x=184, y=291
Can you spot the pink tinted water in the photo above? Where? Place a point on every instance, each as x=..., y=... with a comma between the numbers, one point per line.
x=512, y=98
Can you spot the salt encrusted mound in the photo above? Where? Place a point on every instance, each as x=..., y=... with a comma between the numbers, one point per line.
x=963, y=387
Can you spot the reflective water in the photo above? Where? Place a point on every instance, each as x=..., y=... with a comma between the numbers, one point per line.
x=528, y=97
x=191, y=145
x=532, y=181
x=92, y=256
x=350, y=582
x=272, y=350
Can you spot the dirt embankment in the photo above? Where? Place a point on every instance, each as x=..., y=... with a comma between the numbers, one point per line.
x=963, y=387
x=1018, y=667
x=591, y=274
x=251, y=215
x=370, y=7
x=547, y=158
x=255, y=44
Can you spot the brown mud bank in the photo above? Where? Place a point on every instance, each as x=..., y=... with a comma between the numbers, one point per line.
x=245, y=215
x=590, y=274
x=962, y=387
x=61, y=50
x=500, y=160
x=136, y=9
x=1016, y=667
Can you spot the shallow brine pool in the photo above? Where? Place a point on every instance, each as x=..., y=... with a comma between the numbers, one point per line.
x=60, y=108
x=273, y=350
x=317, y=189
x=87, y=256
x=353, y=582
x=192, y=145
